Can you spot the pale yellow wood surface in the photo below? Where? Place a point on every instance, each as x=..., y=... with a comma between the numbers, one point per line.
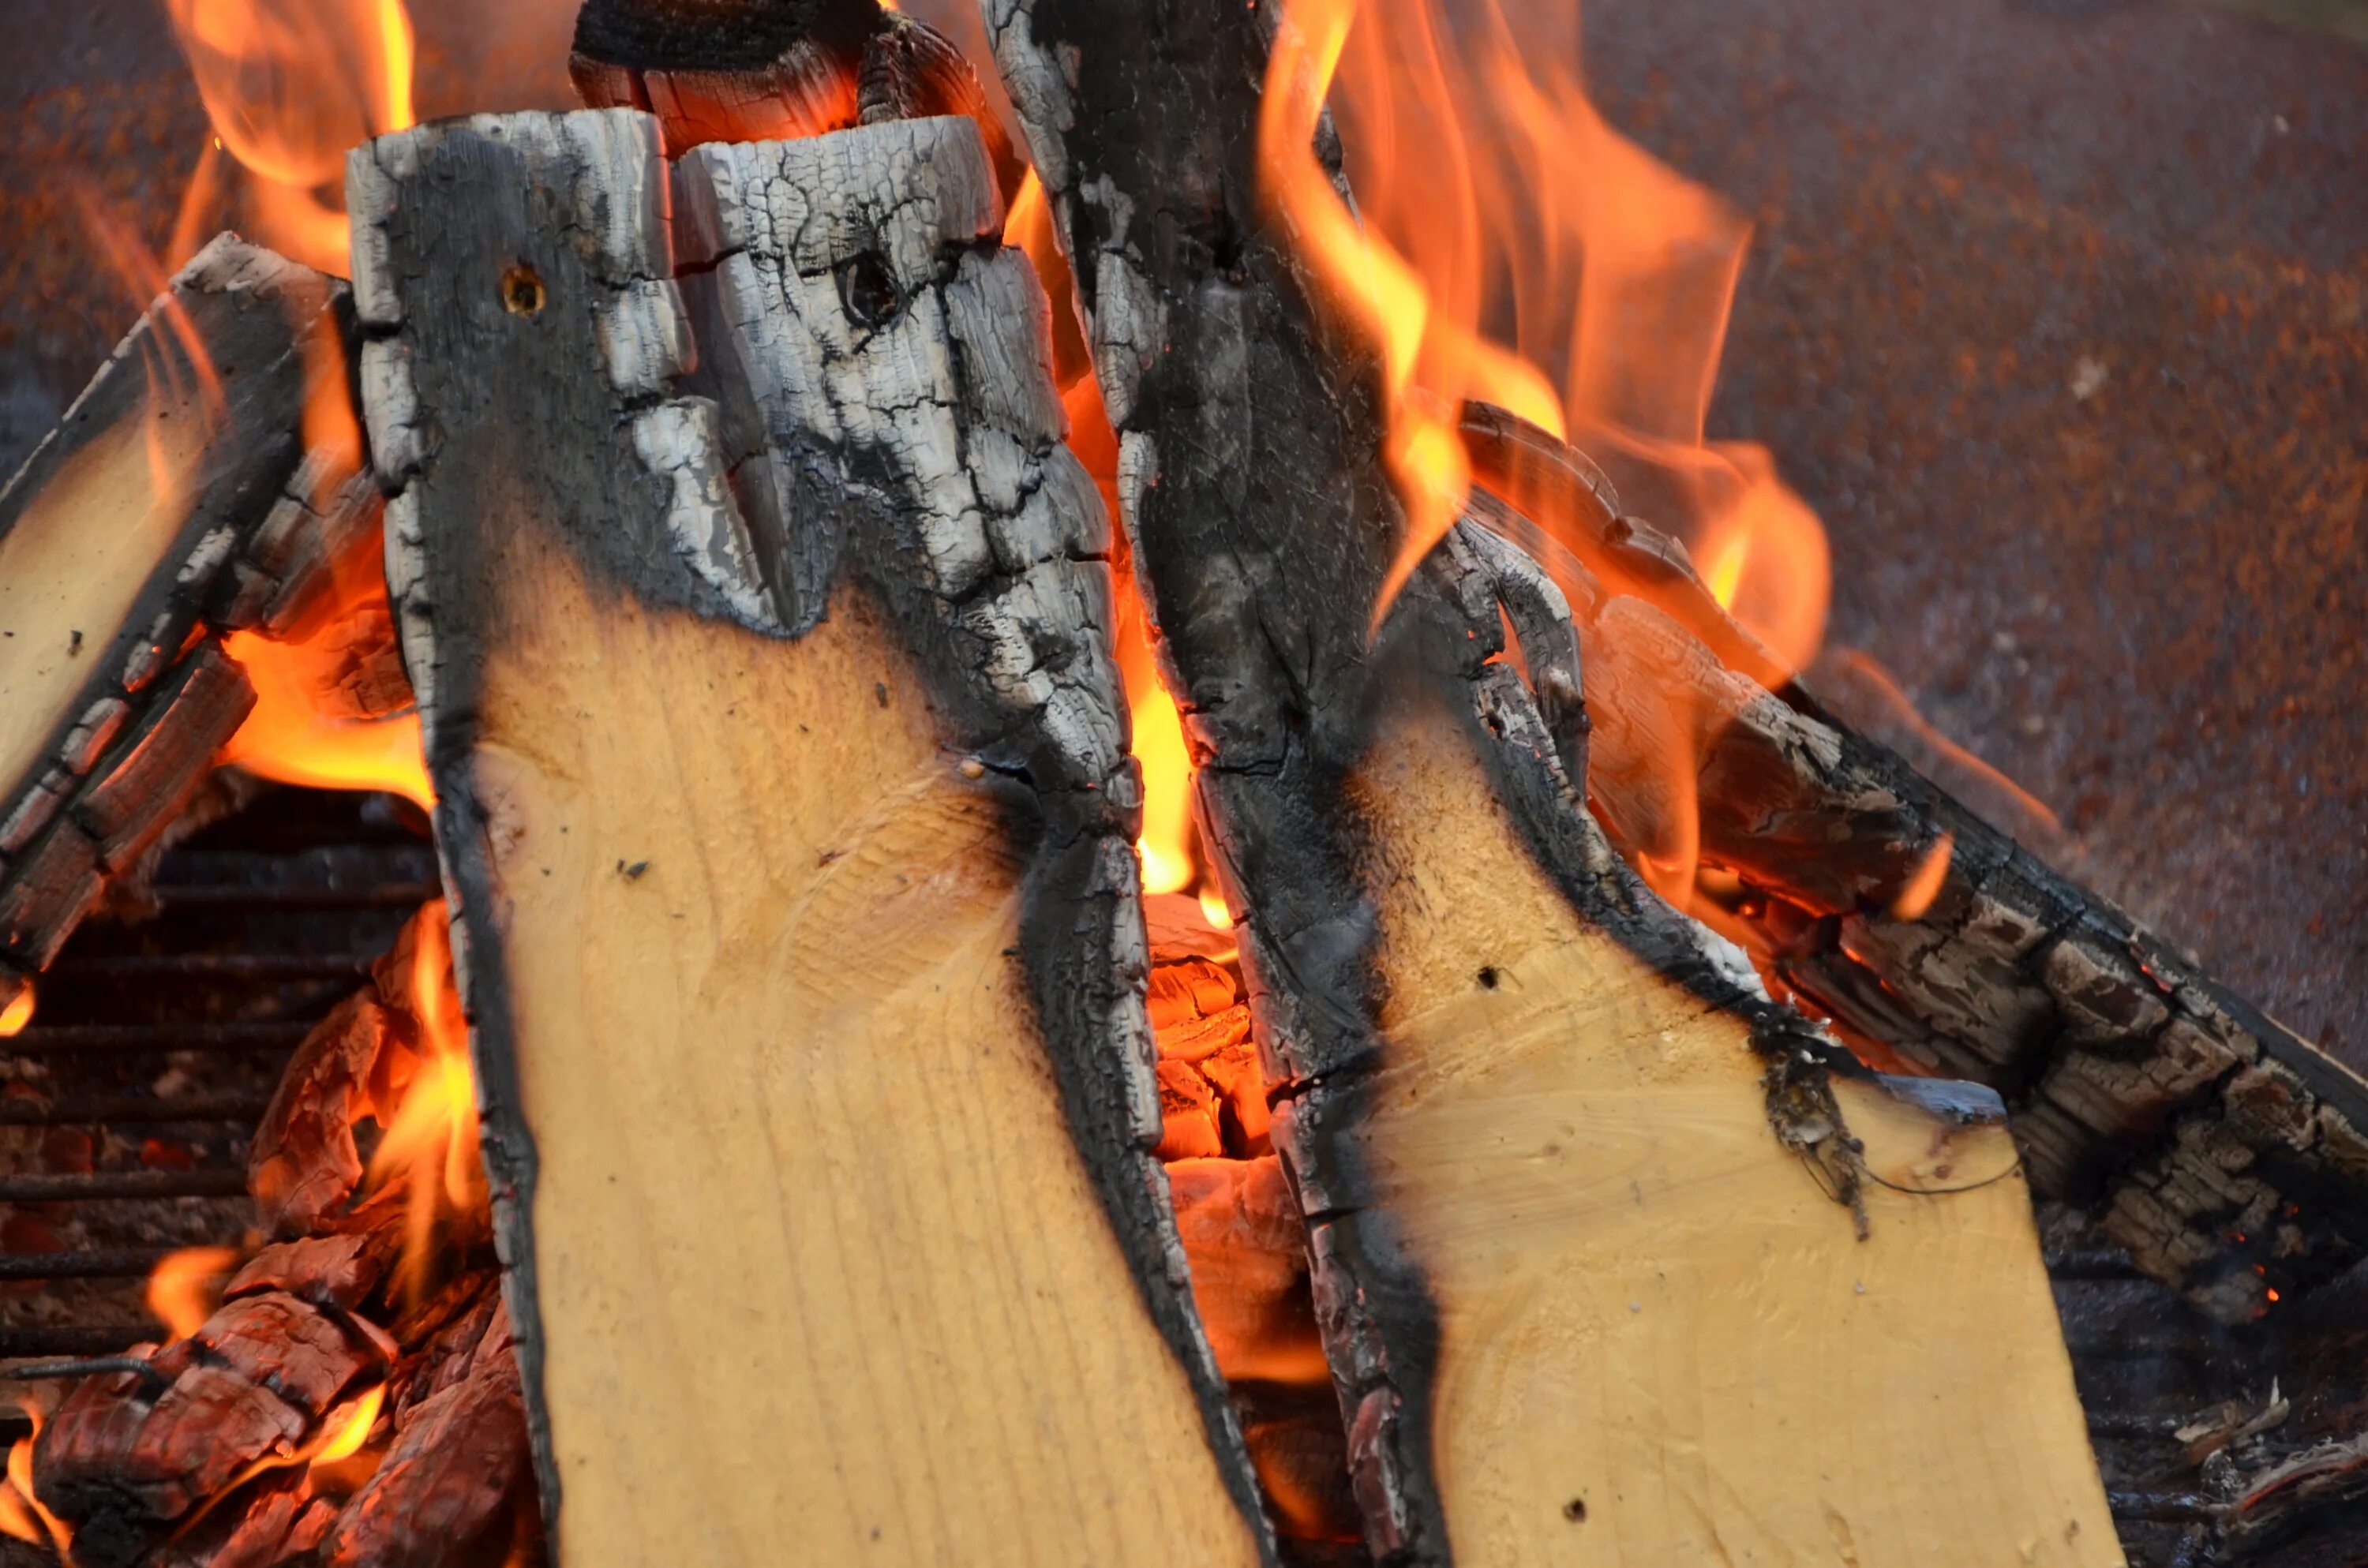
x=823, y=1279
x=75, y=560
x=1649, y=1308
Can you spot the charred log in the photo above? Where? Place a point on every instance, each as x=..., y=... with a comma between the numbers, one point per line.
x=176, y=502
x=2226, y=1152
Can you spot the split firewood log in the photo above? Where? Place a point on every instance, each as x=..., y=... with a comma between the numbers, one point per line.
x=177, y=501
x=781, y=778
x=775, y=70
x=1579, y=1196
x=2227, y=1154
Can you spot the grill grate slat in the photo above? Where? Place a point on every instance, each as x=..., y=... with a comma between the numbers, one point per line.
x=161, y=1032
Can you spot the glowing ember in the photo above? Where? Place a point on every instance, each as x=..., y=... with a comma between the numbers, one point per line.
x=187, y=1288
x=17, y=1014
x=291, y=85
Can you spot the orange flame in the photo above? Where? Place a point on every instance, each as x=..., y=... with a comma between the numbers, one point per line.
x=345, y=1439
x=291, y=85
x=1924, y=886
x=20, y=1505
x=1477, y=160
x=187, y=1287
x=1492, y=198
x=290, y=738
x=16, y=1012
x=431, y=1141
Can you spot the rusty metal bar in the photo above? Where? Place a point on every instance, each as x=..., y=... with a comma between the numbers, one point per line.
x=41, y=1040
x=137, y=1185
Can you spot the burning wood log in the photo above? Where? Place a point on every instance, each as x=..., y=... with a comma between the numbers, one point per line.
x=775, y=70
x=781, y=776
x=1535, y=1291
x=179, y=501
x=2226, y=1152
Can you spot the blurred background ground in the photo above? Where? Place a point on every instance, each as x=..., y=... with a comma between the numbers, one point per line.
x=2056, y=312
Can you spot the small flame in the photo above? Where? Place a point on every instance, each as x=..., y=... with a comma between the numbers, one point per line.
x=187, y=1287
x=17, y=1013
x=1925, y=884
x=346, y=1441
x=290, y=739
x=1213, y=910
x=1166, y=845
x=431, y=1141
x=289, y=86
x=22, y=1500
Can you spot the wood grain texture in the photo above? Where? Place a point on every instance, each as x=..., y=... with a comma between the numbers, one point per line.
x=1659, y=1339
x=814, y=1243
x=775, y=984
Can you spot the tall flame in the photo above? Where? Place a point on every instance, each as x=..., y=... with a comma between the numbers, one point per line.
x=1509, y=246
x=291, y=85
x=1491, y=193
x=431, y=1140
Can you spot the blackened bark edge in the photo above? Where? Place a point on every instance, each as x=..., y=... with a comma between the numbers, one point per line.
x=549, y=384
x=563, y=381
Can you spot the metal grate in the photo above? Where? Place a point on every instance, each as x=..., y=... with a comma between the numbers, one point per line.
x=127, y=1106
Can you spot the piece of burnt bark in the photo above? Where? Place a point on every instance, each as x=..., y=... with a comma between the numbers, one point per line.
x=125, y=1457
x=303, y=1163
x=458, y=1471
